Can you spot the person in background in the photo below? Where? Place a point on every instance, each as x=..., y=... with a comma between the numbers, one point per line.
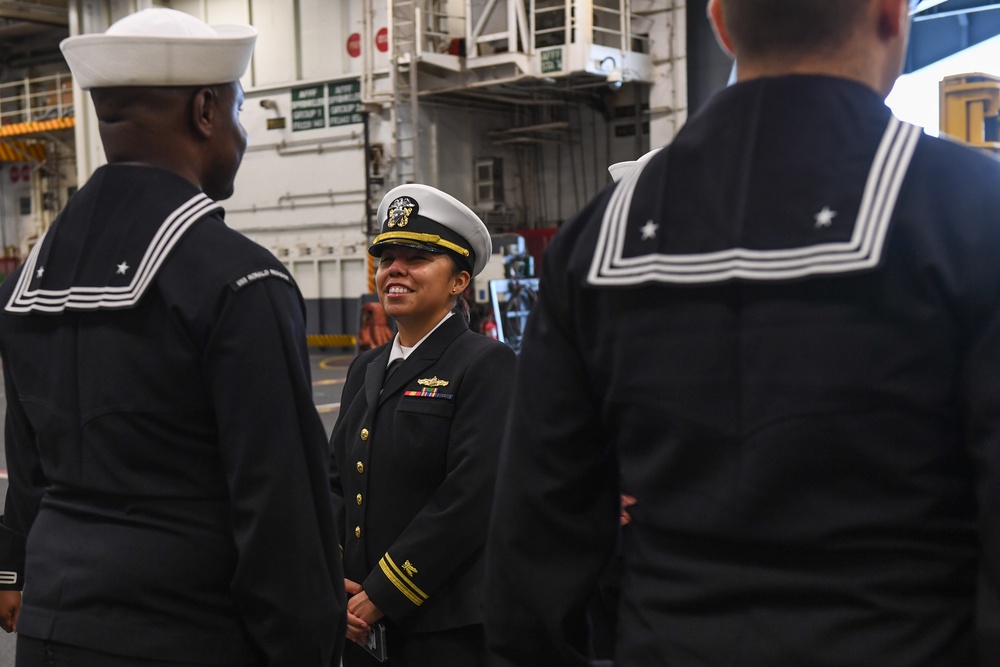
x=415, y=446
x=168, y=468
x=375, y=328
x=619, y=169
x=781, y=337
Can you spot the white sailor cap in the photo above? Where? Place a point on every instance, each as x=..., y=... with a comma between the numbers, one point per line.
x=420, y=216
x=160, y=47
x=619, y=169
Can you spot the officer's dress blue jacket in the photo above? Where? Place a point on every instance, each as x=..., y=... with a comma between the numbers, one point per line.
x=785, y=331
x=414, y=468
x=166, y=460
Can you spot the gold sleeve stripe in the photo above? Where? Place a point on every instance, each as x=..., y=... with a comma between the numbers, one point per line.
x=406, y=578
x=401, y=585
x=409, y=582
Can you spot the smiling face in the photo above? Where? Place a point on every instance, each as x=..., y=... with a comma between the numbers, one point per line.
x=417, y=288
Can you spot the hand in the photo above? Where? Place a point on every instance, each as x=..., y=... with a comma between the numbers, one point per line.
x=10, y=609
x=361, y=612
x=365, y=612
x=627, y=501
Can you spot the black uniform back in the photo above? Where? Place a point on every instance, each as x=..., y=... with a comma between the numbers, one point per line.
x=786, y=330
x=167, y=461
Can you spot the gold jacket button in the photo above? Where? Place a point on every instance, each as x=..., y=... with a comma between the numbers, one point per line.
x=361, y=467
x=357, y=532
x=364, y=434
x=359, y=498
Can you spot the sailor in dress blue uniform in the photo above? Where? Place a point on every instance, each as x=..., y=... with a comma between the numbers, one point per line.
x=781, y=336
x=167, y=464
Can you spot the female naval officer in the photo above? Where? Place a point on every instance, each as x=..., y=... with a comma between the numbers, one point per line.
x=416, y=444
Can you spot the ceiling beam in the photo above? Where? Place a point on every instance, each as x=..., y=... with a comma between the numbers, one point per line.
x=926, y=4
x=937, y=36
x=34, y=12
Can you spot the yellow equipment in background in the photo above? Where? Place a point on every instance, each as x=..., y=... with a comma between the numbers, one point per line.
x=970, y=107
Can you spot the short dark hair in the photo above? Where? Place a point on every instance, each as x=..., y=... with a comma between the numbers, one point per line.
x=761, y=28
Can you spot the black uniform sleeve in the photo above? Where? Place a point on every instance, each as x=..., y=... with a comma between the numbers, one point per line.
x=982, y=399
x=24, y=493
x=449, y=529
x=12, y=545
x=556, y=509
x=289, y=575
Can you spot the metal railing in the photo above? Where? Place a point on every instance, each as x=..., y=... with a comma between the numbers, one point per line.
x=437, y=34
x=610, y=22
x=42, y=98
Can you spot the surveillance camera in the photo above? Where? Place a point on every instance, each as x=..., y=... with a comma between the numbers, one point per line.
x=269, y=104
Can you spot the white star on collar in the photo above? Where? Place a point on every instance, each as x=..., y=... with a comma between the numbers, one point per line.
x=40, y=271
x=649, y=230
x=825, y=217
x=122, y=268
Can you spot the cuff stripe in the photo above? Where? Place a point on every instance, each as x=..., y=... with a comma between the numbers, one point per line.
x=405, y=578
x=401, y=581
x=399, y=584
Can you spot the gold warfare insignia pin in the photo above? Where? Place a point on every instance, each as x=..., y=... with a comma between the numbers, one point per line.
x=400, y=211
x=410, y=570
x=432, y=382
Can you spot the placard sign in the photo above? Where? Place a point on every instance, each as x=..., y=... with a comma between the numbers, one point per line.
x=345, y=102
x=308, y=108
x=552, y=60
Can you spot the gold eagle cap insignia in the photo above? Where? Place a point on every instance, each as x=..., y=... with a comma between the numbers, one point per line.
x=410, y=570
x=432, y=382
x=399, y=212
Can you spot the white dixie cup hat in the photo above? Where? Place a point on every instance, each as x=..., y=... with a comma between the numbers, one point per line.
x=160, y=47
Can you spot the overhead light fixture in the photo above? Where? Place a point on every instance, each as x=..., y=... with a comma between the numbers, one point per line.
x=615, y=79
x=614, y=75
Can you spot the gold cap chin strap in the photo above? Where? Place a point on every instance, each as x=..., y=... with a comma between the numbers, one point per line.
x=432, y=239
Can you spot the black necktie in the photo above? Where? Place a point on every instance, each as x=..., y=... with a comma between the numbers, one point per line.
x=391, y=368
